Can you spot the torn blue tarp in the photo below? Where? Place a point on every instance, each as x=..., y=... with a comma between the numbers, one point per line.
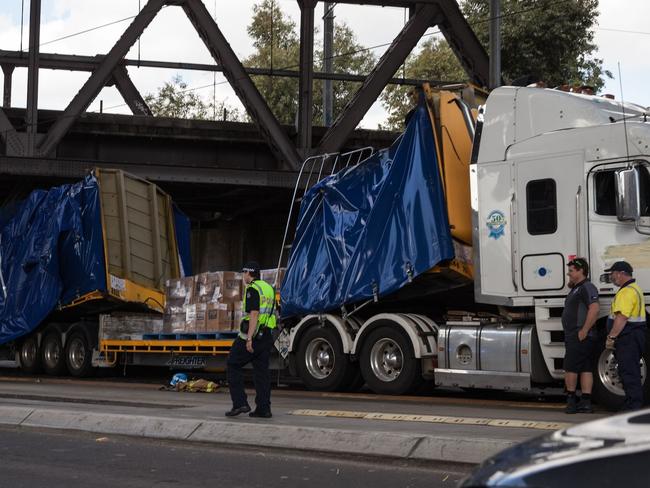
x=367, y=231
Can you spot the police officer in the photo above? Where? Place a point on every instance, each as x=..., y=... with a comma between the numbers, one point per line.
x=253, y=345
x=578, y=317
x=626, y=332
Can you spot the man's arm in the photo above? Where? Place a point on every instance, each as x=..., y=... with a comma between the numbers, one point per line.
x=252, y=323
x=619, y=323
x=590, y=320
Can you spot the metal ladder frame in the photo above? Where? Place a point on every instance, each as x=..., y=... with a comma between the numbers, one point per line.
x=346, y=160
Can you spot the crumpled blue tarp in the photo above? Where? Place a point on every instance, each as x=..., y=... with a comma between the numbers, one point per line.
x=52, y=252
x=367, y=230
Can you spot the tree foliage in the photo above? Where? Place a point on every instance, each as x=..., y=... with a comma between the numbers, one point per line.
x=549, y=40
x=176, y=99
x=277, y=46
x=348, y=57
x=543, y=40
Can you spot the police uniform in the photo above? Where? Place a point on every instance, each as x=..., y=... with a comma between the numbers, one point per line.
x=630, y=343
x=259, y=296
x=580, y=355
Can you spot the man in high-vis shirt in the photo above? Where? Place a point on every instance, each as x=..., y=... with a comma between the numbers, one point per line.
x=626, y=328
x=253, y=345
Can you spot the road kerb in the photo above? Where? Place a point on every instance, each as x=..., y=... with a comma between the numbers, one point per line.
x=263, y=435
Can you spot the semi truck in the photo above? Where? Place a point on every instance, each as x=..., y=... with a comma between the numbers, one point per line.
x=474, y=300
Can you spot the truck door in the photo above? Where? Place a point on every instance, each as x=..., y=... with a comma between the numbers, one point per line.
x=611, y=240
x=548, y=197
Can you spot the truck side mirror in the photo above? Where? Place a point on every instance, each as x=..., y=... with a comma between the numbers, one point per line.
x=627, y=195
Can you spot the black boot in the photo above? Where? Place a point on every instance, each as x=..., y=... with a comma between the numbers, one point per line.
x=571, y=403
x=584, y=405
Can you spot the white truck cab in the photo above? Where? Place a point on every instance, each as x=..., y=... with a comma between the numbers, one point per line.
x=558, y=175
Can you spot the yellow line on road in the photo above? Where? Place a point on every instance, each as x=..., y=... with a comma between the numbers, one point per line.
x=434, y=419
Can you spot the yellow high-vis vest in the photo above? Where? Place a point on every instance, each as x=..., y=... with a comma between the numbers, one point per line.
x=266, y=317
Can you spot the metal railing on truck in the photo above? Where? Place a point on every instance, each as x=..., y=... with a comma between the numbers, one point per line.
x=312, y=171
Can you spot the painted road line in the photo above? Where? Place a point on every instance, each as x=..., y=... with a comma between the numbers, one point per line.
x=434, y=419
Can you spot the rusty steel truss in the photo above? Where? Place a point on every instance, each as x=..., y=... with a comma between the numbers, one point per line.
x=27, y=144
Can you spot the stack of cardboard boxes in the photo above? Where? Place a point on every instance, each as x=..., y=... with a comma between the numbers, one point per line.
x=208, y=302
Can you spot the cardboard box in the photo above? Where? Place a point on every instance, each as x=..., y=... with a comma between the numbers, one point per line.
x=208, y=287
x=237, y=315
x=178, y=293
x=268, y=275
x=219, y=317
x=176, y=324
x=195, y=314
x=232, y=287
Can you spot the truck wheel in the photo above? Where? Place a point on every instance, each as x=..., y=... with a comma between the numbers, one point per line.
x=608, y=388
x=52, y=354
x=321, y=362
x=78, y=355
x=388, y=363
x=29, y=355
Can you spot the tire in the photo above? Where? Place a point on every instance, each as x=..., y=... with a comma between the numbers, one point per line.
x=321, y=363
x=608, y=389
x=29, y=355
x=388, y=362
x=79, y=355
x=52, y=353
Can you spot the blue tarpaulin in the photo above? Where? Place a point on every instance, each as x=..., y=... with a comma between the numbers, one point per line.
x=368, y=230
x=52, y=252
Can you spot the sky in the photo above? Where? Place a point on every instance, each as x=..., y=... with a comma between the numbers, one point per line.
x=621, y=36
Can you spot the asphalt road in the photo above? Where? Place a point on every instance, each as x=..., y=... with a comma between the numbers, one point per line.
x=31, y=458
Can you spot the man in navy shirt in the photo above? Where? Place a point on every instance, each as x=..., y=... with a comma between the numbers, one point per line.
x=578, y=317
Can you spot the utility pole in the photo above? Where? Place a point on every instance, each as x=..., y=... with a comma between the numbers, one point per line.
x=328, y=51
x=495, y=43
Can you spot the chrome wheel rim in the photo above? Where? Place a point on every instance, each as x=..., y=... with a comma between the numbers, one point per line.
x=76, y=354
x=52, y=353
x=608, y=372
x=320, y=358
x=386, y=360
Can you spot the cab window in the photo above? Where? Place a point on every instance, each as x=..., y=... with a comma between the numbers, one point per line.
x=605, y=192
x=541, y=207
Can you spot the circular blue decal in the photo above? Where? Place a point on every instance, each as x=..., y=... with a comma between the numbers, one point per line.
x=496, y=223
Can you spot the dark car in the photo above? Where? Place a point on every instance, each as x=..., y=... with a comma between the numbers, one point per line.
x=613, y=451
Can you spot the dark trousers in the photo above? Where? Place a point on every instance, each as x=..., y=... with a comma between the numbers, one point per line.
x=630, y=346
x=240, y=357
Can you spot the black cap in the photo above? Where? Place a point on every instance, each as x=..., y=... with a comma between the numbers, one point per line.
x=620, y=266
x=252, y=267
x=580, y=263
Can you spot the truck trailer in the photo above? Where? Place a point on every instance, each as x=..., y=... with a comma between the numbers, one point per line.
x=73, y=252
